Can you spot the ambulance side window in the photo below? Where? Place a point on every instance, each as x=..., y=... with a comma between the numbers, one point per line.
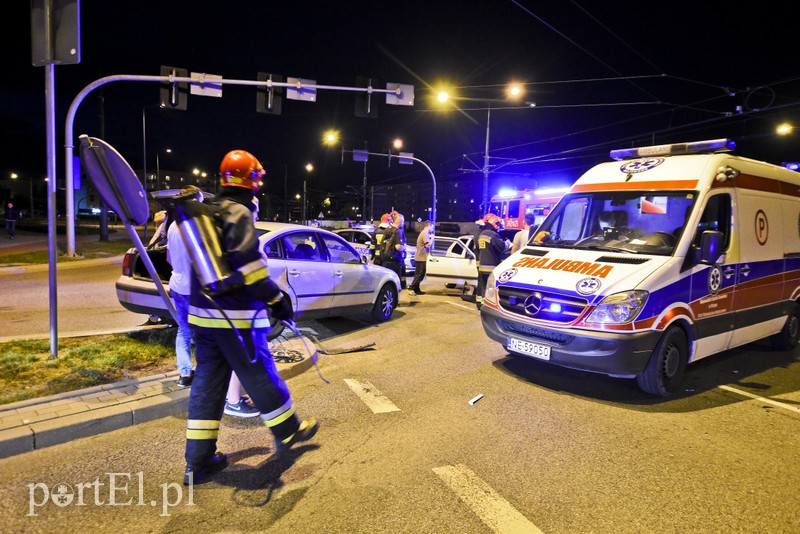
x=716, y=216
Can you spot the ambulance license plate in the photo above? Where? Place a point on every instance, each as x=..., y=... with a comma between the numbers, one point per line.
x=526, y=347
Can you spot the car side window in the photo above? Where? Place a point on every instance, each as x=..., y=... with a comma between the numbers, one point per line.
x=339, y=251
x=272, y=249
x=302, y=246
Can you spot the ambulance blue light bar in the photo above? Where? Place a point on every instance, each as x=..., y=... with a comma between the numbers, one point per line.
x=696, y=147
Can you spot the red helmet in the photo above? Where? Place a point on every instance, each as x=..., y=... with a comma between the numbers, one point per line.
x=494, y=220
x=241, y=169
x=386, y=218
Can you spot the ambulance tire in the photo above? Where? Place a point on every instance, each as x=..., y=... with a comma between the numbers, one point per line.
x=665, y=370
x=788, y=337
x=385, y=303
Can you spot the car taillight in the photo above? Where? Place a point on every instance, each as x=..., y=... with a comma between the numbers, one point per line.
x=126, y=264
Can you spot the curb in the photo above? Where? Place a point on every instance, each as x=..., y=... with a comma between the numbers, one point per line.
x=42, y=422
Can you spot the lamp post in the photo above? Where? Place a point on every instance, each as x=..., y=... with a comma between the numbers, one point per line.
x=309, y=169
x=514, y=92
x=158, y=167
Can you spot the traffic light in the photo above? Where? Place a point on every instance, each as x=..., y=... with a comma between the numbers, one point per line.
x=174, y=95
x=366, y=102
x=268, y=99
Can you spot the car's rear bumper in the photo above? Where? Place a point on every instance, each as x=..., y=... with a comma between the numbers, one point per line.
x=141, y=296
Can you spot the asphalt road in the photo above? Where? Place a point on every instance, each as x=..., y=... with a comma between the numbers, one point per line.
x=86, y=301
x=401, y=449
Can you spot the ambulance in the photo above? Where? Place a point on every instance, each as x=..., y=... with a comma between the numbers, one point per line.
x=665, y=256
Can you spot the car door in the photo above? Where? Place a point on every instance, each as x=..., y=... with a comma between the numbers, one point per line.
x=451, y=262
x=308, y=272
x=354, y=282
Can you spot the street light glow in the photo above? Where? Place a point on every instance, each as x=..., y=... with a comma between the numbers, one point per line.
x=442, y=96
x=397, y=143
x=330, y=137
x=515, y=91
x=784, y=129
x=309, y=167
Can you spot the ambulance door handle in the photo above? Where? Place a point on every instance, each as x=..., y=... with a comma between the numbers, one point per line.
x=338, y=273
x=432, y=260
x=294, y=272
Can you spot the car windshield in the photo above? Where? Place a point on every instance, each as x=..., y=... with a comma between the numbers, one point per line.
x=630, y=221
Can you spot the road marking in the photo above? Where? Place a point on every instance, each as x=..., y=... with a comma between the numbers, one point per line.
x=458, y=304
x=762, y=399
x=372, y=397
x=493, y=510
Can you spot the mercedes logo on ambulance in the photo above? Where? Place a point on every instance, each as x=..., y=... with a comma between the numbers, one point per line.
x=533, y=303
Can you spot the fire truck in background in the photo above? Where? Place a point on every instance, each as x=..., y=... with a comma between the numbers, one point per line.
x=512, y=205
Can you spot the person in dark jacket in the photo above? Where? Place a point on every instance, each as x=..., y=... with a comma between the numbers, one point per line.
x=490, y=253
x=230, y=329
x=12, y=215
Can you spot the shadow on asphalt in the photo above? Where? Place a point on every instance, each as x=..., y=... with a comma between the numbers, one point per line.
x=734, y=367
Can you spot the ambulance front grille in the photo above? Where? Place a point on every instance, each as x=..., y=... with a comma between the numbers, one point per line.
x=532, y=332
x=543, y=305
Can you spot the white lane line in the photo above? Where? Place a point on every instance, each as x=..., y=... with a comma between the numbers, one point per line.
x=458, y=304
x=494, y=511
x=372, y=397
x=762, y=399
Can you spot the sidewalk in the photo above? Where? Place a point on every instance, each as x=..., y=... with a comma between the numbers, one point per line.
x=37, y=423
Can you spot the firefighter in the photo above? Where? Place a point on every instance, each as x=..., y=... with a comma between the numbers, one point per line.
x=490, y=252
x=377, y=237
x=230, y=330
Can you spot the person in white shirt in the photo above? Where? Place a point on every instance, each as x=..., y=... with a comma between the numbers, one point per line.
x=522, y=237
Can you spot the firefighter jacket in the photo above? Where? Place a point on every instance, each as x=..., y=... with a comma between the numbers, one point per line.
x=490, y=249
x=245, y=305
x=375, y=244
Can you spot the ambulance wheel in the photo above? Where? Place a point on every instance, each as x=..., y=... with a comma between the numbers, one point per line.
x=788, y=337
x=385, y=304
x=665, y=370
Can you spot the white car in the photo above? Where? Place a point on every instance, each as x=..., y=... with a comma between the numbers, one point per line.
x=361, y=239
x=321, y=274
x=452, y=262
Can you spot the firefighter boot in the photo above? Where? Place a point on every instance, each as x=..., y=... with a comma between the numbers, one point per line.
x=197, y=474
x=306, y=431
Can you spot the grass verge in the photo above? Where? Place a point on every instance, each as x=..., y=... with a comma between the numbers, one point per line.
x=86, y=250
x=27, y=371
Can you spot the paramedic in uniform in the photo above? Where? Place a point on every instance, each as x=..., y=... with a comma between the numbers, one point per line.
x=490, y=251
x=219, y=349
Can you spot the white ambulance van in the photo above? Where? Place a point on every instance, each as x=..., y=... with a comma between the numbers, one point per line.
x=670, y=254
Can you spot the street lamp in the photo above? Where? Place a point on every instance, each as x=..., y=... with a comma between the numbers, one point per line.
x=514, y=92
x=158, y=167
x=309, y=169
x=15, y=176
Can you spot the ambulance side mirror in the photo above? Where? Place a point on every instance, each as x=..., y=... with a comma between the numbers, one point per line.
x=711, y=242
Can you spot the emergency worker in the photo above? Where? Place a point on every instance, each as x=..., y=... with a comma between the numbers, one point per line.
x=221, y=348
x=393, y=247
x=377, y=238
x=490, y=252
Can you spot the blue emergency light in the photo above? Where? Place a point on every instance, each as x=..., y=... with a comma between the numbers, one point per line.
x=696, y=147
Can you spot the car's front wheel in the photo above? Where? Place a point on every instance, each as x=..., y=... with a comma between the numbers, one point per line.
x=385, y=303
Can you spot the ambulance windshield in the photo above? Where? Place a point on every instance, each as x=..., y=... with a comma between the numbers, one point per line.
x=628, y=221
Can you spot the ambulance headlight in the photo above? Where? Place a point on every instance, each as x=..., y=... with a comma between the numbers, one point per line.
x=619, y=308
x=490, y=293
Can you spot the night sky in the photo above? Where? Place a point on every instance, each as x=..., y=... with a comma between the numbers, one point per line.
x=602, y=74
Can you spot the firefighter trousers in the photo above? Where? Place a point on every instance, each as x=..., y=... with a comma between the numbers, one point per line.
x=218, y=351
